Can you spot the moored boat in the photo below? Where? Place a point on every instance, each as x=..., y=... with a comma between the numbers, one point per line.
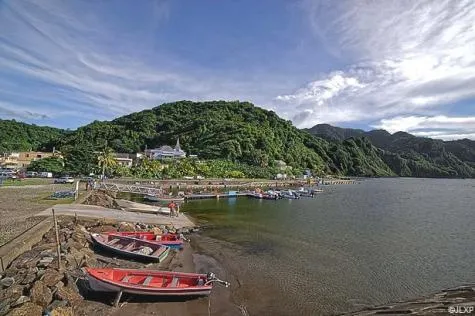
x=155, y=198
x=306, y=193
x=289, y=194
x=169, y=240
x=150, y=282
x=262, y=196
x=131, y=247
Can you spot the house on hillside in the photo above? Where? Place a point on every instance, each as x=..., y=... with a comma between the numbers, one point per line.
x=166, y=152
x=21, y=160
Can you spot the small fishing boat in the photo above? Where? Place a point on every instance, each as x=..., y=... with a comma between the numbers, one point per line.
x=289, y=194
x=169, y=240
x=150, y=282
x=155, y=198
x=262, y=196
x=131, y=247
x=306, y=193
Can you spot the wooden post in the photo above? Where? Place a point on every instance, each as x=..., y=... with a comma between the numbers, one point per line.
x=57, y=240
x=117, y=299
x=76, y=194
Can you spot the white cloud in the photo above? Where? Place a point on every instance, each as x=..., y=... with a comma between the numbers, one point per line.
x=47, y=44
x=406, y=57
x=441, y=127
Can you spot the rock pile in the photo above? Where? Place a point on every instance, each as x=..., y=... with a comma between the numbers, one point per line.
x=33, y=285
x=102, y=198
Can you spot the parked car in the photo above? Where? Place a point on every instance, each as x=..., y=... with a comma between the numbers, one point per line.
x=87, y=179
x=64, y=180
x=31, y=174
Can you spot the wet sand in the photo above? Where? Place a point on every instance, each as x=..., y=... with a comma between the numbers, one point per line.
x=183, y=261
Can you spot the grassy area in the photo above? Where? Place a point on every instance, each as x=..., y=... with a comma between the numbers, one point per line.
x=47, y=200
x=28, y=181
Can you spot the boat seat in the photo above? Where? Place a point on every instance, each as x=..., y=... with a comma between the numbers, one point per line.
x=129, y=247
x=174, y=282
x=157, y=252
x=126, y=279
x=113, y=241
x=147, y=280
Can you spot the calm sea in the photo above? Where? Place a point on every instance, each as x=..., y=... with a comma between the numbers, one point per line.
x=370, y=243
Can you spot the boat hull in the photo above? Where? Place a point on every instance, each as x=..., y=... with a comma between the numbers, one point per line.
x=288, y=196
x=103, y=284
x=101, y=240
x=169, y=240
x=262, y=196
x=153, y=198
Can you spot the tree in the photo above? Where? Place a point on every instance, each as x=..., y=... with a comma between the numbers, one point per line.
x=106, y=160
x=49, y=164
x=148, y=168
x=79, y=159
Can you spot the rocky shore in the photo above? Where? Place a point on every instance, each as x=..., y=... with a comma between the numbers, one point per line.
x=33, y=285
x=458, y=300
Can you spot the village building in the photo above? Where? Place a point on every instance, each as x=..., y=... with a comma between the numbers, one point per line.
x=166, y=152
x=21, y=160
x=127, y=160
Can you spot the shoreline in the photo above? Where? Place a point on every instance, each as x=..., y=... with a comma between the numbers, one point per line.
x=208, y=254
x=249, y=302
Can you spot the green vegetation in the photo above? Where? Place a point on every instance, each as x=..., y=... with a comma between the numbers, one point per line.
x=49, y=164
x=106, y=160
x=23, y=182
x=411, y=156
x=236, y=139
x=23, y=137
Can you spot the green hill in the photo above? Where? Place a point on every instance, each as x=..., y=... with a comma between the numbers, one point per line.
x=253, y=139
x=22, y=137
x=411, y=156
x=236, y=131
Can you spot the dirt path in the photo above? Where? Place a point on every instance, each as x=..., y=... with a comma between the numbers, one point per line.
x=19, y=203
x=98, y=212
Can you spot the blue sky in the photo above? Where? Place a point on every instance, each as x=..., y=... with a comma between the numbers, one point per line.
x=398, y=65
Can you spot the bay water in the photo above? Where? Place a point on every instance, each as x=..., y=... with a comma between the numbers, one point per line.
x=374, y=242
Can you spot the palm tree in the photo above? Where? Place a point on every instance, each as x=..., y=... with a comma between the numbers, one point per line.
x=106, y=160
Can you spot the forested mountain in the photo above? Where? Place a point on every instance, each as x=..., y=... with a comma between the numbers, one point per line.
x=237, y=131
x=21, y=136
x=332, y=133
x=408, y=155
x=247, y=135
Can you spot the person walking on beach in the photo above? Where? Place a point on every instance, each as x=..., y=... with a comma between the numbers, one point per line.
x=172, y=207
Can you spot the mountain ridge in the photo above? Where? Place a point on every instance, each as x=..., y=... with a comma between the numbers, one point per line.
x=242, y=132
x=410, y=155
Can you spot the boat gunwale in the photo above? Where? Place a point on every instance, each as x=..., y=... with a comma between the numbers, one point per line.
x=166, y=243
x=158, y=258
x=123, y=285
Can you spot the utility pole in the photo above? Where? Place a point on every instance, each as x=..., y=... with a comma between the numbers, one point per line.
x=103, y=161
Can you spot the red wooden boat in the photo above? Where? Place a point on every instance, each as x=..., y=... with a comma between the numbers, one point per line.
x=150, y=282
x=169, y=240
x=131, y=247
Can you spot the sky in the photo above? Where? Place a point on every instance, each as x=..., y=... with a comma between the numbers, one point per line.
x=399, y=65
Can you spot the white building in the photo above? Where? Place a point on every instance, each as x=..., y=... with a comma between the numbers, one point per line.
x=166, y=151
x=127, y=160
